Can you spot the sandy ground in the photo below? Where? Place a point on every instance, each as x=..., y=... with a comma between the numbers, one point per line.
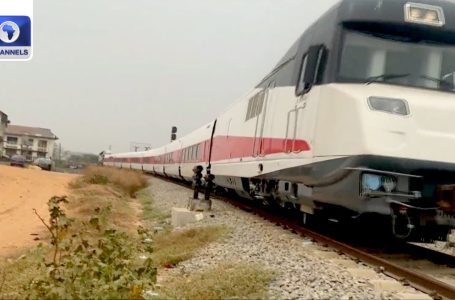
x=22, y=190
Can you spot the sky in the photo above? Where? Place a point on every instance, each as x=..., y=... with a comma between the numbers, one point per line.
x=113, y=72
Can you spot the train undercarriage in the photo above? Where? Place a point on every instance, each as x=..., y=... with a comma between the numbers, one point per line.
x=418, y=205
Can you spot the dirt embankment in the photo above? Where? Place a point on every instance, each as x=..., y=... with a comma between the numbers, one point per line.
x=22, y=190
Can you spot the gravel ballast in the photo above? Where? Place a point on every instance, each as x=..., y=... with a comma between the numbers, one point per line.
x=304, y=269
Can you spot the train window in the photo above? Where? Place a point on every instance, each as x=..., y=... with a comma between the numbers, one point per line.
x=250, y=108
x=302, y=85
x=248, y=111
x=260, y=103
x=310, y=70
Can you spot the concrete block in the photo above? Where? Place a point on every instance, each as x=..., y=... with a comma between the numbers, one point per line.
x=199, y=204
x=182, y=216
x=451, y=238
x=411, y=296
x=384, y=285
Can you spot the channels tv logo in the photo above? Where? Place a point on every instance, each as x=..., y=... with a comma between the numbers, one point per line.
x=15, y=38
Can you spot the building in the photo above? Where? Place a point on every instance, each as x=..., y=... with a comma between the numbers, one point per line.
x=32, y=142
x=3, y=124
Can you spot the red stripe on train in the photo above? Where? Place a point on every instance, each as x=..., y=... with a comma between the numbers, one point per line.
x=228, y=147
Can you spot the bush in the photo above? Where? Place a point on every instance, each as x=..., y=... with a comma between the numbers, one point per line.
x=128, y=181
x=95, y=262
x=97, y=179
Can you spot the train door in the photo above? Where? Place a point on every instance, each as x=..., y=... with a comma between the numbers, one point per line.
x=301, y=122
x=301, y=119
x=258, y=144
x=296, y=126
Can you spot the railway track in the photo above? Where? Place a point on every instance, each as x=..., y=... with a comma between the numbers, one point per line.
x=383, y=263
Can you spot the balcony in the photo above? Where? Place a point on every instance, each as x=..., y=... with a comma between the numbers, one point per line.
x=42, y=149
x=12, y=146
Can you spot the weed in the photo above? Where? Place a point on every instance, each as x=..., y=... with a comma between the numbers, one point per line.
x=170, y=248
x=128, y=181
x=149, y=213
x=18, y=272
x=58, y=223
x=82, y=201
x=230, y=280
x=95, y=262
x=97, y=179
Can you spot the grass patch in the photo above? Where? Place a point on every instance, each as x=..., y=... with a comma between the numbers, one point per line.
x=82, y=201
x=128, y=181
x=170, y=248
x=150, y=214
x=231, y=280
x=14, y=273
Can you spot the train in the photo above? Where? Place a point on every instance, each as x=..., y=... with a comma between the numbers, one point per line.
x=356, y=120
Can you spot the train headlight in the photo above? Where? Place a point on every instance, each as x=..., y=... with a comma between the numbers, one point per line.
x=375, y=182
x=371, y=182
x=424, y=14
x=389, y=105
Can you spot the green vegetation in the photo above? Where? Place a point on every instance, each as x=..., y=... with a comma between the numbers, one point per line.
x=98, y=251
x=230, y=280
x=90, y=261
x=170, y=248
x=150, y=215
x=128, y=181
x=16, y=273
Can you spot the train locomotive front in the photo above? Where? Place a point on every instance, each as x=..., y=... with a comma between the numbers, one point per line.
x=355, y=120
x=383, y=92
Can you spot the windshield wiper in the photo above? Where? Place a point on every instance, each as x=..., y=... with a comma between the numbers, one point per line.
x=441, y=82
x=384, y=77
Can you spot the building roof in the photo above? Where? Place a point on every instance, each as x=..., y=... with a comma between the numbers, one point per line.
x=30, y=131
x=3, y=118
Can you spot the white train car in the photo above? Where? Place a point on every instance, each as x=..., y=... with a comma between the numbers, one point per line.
x=356, y=119
x=196, y=150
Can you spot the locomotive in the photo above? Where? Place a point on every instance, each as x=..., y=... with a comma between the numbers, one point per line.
x=354, y=121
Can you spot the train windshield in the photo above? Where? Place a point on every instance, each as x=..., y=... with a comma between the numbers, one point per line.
x=403, y=61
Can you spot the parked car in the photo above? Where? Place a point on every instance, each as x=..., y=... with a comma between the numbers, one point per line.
x=44, y=163
x=18, y=161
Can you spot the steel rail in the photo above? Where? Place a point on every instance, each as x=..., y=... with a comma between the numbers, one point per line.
x=431, y=286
